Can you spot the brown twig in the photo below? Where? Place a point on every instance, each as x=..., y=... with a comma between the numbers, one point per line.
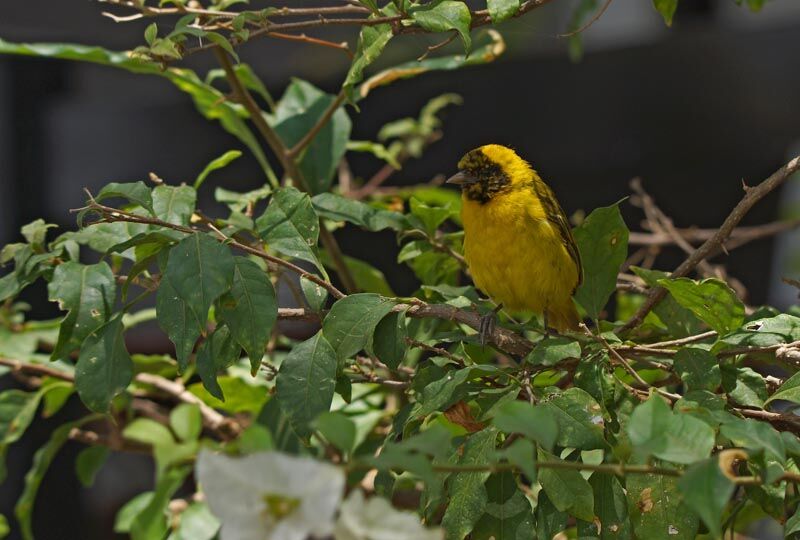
x=751, y=197
x=590, y=22
x=342, y=46
x=315, y=129
x=437, y=46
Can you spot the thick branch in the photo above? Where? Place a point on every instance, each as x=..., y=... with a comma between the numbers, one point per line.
x=751, y=197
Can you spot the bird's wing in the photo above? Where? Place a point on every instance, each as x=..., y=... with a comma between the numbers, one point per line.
x=557, y=218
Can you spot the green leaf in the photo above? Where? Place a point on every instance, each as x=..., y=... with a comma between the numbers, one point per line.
x=125, y=515
x=389, y=340
x=549, y=519
x=315, y=294
x=300, y=108
x=89, y=462
x=197, y=523
x=200, y=270
x=681, y=438
x=33, y=479
x=579, y=418
x=567, y=489
x=178, y=321
x=712, y=300
x=611, y=509
x=250, y=309
x=552, y=350
x=508, y=513
x=151, y=521
x=744, y=385
x=792, y=524
x=151, y=33
x=755, y=436
x=581, y=13
x=242, y=397
x=501, y=10
x=656, y=508
x=218, y=163
x=666, y=8
x=338, y=208
x=306, y=382
x=290, y=226
x=698, y=369
x=522, y=454
x=17, y=409
x=603, y=244
x=535, y=422
x=135, y=192
x=367, y=277
x=444, y=15
x=5, y=528
x=186, y=422
x=147, y=431
x=35, y=232
x=338, y=429
x=87, y=292
x=104, y=367
x=371, y=42
x=788, y=391
x=468, y=497
x=352, y=320
x=707, y=490
x=215, y=354
x=428, y=218
x=174, y=204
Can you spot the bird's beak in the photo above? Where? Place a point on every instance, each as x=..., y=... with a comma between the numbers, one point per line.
x=461, y=178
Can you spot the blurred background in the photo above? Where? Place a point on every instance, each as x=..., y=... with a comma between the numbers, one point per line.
x=693, y=110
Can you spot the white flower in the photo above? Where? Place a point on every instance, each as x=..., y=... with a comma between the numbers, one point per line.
x=269, y=495
x=375, y=519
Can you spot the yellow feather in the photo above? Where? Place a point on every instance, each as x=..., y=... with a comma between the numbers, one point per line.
x=514, y=252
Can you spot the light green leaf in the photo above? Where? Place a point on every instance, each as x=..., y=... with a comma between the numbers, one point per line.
x=788, y=391
x=17, y=409
x=218, y=163
x=666, y=8
x=35, y=232
x=552, y=350
x=250, y=309
x=656, y=508
x=186, y=422
x=174, y=204
x=306, y=382
x=151, y=521
x=371, y=42
x=755, y=436
x=197, y=523
x=352, y=320
x=200, y=270
x=290, y=226
x=712, y=300
x=535, y=422
x=707, y=490
x=135, y=192
x=147, y=431
x=579, y=418
x=151, y=33
x=567, y=489
x=603, y=244
x=125, y=515
x=104, y=367
x=242, y=398
x=178, y=321
x=468, y=497
x=500, y=10
x=338, y=429
x=87, y=292
x=444, y=15
x=89, y=462
x=744, y=385
x=698, y=369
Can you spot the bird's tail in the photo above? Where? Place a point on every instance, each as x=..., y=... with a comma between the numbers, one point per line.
x=563, y=317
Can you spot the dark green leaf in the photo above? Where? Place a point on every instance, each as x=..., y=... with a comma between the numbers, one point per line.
x=174, y=204
x=352, y=320
x=290, y=226
x=508, y=513
x=151, y=521
x=500, y=10
x=17, y=409
x=549, y=519
x=535, y=422
x=338, y=208
x=444, y=15
x=712, y=300
x=371, y=42
x=567, y=489
x=218, y=163
x=522, y=454
x=611, y=509
x=468, y=497
x=135, y=192
x=104, y=367
x=250, y=309
x=178, y=321
x=579, y=418
x=603, y=244
x=215, y=354
x=697, y=368
x=666, y=8
x=89, y=462
x=744, y=385
x=707, y=490
x=88, y=293
x=754, y=435
x=200, y=270
x=656, y=509
x=389, y=340
x=552, y=350
x=306, y=382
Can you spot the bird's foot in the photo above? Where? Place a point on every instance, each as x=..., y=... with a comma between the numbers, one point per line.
x=488, y=325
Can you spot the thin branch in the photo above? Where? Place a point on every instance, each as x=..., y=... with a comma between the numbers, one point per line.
x=437, y=46
x=41, y=370
x=751, y=197
x=590, y=22
x=118, y=444
x=314, y=41
x=315, y=129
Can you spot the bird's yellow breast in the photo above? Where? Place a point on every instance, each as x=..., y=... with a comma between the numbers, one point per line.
x=514, y=253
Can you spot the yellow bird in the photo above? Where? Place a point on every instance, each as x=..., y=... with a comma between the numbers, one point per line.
x=517, y=241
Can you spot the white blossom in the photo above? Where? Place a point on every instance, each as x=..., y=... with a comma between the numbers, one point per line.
x=376, y=519
x=270, y=495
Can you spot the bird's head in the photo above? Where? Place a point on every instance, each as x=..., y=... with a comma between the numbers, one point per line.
x=490, y=170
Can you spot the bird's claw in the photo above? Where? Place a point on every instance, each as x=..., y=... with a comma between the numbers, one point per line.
x=488, y=325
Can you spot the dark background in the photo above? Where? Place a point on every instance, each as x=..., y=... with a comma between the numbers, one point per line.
x=693, y=110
